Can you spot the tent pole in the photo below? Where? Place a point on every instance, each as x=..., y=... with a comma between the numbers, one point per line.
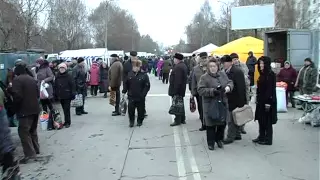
x=256, y=33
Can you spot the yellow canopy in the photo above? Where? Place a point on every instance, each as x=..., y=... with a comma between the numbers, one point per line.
x=241, y=46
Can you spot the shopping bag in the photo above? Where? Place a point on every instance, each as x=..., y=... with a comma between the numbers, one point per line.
x=177, y=106
x=192, y=103
x=44, y=119
x=281, y=99
x=43, y=91
x=56, y=118
x=112, y=99
x=78, y=101
x=123, y=106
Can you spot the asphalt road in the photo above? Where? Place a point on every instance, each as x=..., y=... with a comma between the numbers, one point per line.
x=101, y=147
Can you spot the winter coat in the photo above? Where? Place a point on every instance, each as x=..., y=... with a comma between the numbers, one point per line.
x=195, y=78
x=207, y=86
x=45, y=74
x=178, y=80
x=155, y=63
x=115, y=75
x=159, y=67
x=94, y=74
x=166, y=66
x=266, y=94
x=25, y=92
x=64, y=86
x=127, y=67
x=288, y=76
x=79, y=75
x=251, y=64
x=104, y=82
x=243, y=67
x=307, y=79
x=137, y=85
x=237, y=97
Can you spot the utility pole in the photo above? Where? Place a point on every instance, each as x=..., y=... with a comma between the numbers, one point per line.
x=106, y=35
x=228, y=24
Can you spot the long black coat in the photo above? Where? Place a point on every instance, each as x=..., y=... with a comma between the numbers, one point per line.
x=64, y=86
x=178, y=80
x=104, y=79
x=79, y=76
x=237, y=97
x=266, y=94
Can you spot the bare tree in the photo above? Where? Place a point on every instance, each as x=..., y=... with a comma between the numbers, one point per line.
x=11, y=24
x=30, y=10
x=68, y=24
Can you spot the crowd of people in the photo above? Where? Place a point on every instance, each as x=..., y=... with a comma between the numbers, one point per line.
x=219, y=85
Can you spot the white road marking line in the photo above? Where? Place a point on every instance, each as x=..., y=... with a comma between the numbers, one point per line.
x=192, y=160
x=178, y=149
x=162, y=95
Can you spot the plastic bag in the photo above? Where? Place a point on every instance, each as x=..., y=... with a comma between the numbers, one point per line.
x=192, y=103
x=123, y=106
x=78, y=101
x=57, y=121
x=43, y=91
x=312, y=117
x=281, y=99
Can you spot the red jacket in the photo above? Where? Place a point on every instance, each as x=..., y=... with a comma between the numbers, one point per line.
x=288, y=76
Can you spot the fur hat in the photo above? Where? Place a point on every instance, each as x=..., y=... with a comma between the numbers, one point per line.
x=234, y=55
x=178, y=56
x=63, y=65
x=136, y=63
x=80, y=60
x=309, y=60
x=114, y=55
x=226, y=58
x=203, y=55
x=133, y=53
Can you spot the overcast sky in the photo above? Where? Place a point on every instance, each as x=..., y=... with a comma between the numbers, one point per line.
x=163, y=20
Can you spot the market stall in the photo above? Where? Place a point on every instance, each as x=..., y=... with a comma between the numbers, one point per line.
x=208, y=49
x=242, y=46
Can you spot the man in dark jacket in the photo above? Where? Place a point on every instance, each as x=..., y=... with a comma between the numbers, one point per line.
x=251, y=63
x=236, y=98
x=25, y=101
x=166, y=70
x=79, y=74
x=197, y=72
x=177, y=88
x=137, y=85
x=127, y=67
x=115, y=77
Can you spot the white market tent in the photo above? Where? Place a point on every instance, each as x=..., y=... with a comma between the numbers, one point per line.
x=89, y=54
x=187, y=54
x=208, y=48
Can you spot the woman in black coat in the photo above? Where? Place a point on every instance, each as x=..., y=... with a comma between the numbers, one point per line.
x=103, y=79
x=65, y=91
x=266, y=105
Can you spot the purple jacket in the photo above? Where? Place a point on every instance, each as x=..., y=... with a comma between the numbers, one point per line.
x=159, y=66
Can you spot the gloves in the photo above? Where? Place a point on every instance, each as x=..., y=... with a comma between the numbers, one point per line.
x=227, y=89
x=267, y=107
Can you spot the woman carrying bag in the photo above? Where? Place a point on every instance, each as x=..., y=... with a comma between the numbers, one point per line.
x=213, y=86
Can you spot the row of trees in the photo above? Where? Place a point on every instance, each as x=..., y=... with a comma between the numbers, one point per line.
x=205, y=28
x=56, y=25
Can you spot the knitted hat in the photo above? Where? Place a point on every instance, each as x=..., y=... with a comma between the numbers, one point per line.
x=63, y=65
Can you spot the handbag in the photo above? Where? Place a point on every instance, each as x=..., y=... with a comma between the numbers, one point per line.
x=242, y=115
x=217, y=110
x=192, y=104
x=177, y=106
x=78, y=101
x=112, y=100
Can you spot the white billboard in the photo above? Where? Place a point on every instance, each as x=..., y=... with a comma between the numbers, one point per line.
x=253, y=17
